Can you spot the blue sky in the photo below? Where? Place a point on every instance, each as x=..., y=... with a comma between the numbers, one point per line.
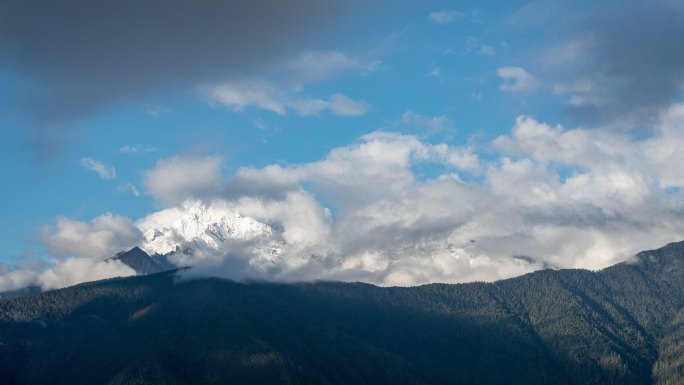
x=88, y=111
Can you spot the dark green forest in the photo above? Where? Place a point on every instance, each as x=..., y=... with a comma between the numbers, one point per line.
x=621, y=325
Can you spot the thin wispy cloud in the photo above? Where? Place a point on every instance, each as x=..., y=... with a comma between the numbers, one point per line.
x=264, y=95
x=445, y=16
x=474, y=45
x=316, y=66
x=96, y=166
x=486, y=50
x=158, y=111
x=430, y=124
x=136, y=148
x=129, y=188
x=516, y=79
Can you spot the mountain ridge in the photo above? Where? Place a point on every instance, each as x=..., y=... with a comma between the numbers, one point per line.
x=619, y=325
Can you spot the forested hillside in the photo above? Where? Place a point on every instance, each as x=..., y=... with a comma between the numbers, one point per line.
x=621, y=325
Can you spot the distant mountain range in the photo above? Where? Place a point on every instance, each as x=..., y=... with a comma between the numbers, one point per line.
x=621, y=325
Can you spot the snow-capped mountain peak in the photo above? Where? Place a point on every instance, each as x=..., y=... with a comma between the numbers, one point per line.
x=208, y=228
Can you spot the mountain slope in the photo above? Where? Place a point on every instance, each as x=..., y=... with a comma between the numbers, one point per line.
x=621, y=325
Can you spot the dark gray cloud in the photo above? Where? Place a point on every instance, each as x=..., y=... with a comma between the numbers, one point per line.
x=81, y=56
x=631, y=62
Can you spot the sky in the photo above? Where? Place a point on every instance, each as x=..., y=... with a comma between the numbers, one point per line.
x=396, y=143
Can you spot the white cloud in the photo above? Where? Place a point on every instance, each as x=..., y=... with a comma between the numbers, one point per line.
x=77, y=270
x=445, y=16
x=338, y=104
x=516, y=79
x=431, y=124
x=663, y=151
x=315, y=66
x=262, y=94
x=567, y=198
x=80, y=251
x=15, y=279
x=282, y=91
x=307, y=107
x=343, y=105
x=564, y=198
x=104, y=171
x=176, y=179
x=103, y=237
x=256, y=93
x=435, y=72
x=128, y=187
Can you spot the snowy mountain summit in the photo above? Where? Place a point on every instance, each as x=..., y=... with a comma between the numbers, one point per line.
x=200, y=231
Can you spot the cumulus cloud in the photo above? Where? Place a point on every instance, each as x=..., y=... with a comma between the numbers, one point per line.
x=516, y=79
x=444, y=16
x=568, y=198
x=99, y=239
x=176, y=179
x=18, y=278
x=63, y=273
x=80, y=252
x=77, y=270
x=545, y=195
x=101, y=169
x=264, y=95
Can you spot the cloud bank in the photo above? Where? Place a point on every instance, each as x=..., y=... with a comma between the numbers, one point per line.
x=549, y=197
x=76, y=270
x=101, y=238
x=79, y=251
x=559, y=197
